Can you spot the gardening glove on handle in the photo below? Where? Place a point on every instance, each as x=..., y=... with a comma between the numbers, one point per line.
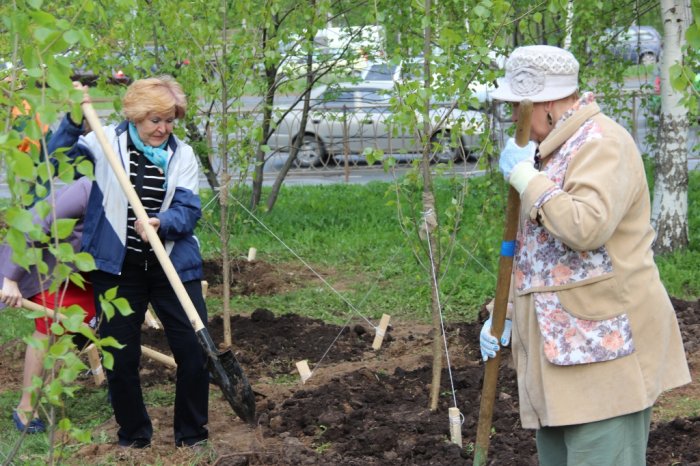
x=489, y=343
x=518, y=164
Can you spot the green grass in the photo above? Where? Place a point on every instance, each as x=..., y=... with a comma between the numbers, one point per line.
x=681, y=407
x=87, y=409
x=155, y=396
x=15, y=324
x=643, y=71
x=350, y=235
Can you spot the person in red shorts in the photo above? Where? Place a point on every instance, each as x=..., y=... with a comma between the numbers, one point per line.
x=17, y=283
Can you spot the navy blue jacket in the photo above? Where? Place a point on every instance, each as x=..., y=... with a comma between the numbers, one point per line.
x=104, y=235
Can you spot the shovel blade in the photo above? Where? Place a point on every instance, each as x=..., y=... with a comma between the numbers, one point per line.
x=229, y=376
x=227, y=373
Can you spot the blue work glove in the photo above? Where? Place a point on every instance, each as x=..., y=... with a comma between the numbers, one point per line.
x=489, y=343
x=512, y=154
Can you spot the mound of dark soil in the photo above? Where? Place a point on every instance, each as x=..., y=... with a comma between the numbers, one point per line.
x=257, y=277
x=371, y=408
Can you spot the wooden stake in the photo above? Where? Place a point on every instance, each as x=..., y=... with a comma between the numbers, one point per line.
x=455, y=426
x=158, y=357
x=205, y=288
x=95, y=364
x=381, y=331
x=151, y=320
x=252, y=252
x=304, y=372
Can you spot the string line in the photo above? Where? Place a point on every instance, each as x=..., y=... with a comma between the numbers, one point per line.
x=437, y=295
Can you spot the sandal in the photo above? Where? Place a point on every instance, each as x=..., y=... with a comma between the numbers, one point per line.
x=35, y=426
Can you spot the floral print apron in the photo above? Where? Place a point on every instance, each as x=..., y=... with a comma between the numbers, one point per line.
x=545, y=267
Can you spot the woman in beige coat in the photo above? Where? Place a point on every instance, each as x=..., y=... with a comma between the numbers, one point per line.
x=595, y=337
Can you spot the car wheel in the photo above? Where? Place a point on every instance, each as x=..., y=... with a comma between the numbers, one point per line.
x=312, y=152
x=443, y=149
x=647, y=59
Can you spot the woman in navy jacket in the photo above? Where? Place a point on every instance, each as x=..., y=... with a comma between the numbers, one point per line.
x=165, y=175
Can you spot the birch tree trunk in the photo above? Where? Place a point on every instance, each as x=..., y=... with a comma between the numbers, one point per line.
x=223, y=196
x=670, y=200
x=429, y=223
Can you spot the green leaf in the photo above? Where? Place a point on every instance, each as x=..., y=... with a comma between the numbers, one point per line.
x=107, y=360
x=64, y=424
x=107, y=309
x=63, y=24
x=123, y=306
x=64, y=227
x=35, y=314
x=42, y=34
x=40, y=190
x=76, y=111
x=36, y=4
x=678, y=80
x=110, y=294
x=64, y=252
x=53, y=392
x=65, y=172
x=58, y=79
x=20, y=219
x=57, y=329
x=35, y=72
x=481, y=11
x=82, y=435
x=110, y=341
x=22, y=165
x=85, y=168
x=692, y=36
x=84, y=262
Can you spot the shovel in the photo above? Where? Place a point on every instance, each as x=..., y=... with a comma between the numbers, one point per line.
x=224, y=368
x=500, y=305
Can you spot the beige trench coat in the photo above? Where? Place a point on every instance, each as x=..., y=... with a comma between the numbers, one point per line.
x=604, y=203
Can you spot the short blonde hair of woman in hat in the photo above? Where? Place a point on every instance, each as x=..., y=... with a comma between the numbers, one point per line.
x=595, y=337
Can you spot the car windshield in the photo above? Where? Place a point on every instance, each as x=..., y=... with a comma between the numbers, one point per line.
x=380, y=72
x=354, y=98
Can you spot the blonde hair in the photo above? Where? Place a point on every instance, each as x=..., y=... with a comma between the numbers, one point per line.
x=158, y=95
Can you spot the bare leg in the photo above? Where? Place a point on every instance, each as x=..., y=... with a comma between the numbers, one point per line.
x=33, y=359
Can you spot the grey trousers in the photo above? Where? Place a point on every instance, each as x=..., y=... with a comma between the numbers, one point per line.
x=618, y=441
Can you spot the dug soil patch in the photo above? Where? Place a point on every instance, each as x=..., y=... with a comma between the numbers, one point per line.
x=361, y=407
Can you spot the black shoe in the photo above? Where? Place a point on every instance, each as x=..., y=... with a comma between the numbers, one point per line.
x=138, y=443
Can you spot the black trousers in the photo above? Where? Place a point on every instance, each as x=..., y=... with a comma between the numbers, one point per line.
x=140, y=286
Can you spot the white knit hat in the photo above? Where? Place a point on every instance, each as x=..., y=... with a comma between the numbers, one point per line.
x=540, y=73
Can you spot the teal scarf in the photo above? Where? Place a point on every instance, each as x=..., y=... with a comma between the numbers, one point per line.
x=157, y=155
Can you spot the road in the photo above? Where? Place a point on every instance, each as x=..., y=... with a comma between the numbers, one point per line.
x=359, y=173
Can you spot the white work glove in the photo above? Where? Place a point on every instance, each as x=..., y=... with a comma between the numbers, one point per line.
x=489, y=343
x=518, y=164
x=512, y=154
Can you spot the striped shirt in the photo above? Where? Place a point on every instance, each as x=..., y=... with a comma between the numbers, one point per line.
x=148, y=181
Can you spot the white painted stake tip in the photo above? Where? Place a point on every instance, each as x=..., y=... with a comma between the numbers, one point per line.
x=455, y=426
x=380, y=332
x=252, y=252
x=304, y=372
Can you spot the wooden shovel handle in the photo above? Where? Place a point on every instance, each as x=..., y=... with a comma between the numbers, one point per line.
x=141, y=215
x=148, y=352
x=500, y=305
